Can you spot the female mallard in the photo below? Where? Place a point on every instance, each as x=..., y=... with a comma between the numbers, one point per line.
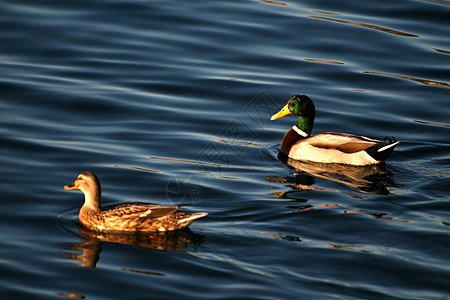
x=329, y=147
x=127, y=217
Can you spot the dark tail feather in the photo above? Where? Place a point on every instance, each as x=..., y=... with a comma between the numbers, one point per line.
x=390, y=140
x=382, y=151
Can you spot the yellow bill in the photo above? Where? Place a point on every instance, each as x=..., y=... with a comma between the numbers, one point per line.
x=283, y=112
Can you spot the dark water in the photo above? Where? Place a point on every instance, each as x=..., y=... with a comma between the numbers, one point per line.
x=169, y=102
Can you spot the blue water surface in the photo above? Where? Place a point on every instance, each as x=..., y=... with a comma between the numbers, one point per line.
x=169, y=102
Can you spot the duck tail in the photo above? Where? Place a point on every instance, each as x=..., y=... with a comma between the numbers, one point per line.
x=191, y=218
x=388, y=147
x=382, y=151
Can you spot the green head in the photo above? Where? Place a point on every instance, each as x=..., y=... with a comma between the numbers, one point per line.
x=303, y=107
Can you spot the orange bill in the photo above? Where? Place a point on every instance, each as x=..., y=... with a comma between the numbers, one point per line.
x=72, y=186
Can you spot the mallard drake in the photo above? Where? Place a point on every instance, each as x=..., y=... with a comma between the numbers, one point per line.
x=329, y=147
x=127, y=217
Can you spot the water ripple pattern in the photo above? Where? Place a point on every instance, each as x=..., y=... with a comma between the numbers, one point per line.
x=168, y=102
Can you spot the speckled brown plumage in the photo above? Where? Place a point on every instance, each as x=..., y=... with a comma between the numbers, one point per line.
x=127, y=217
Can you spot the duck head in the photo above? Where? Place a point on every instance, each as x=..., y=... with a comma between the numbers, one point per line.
x=89, y=184
x=303, y=107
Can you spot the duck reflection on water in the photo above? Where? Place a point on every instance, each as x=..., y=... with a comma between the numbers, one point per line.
x=91, y=244
x=373, y=179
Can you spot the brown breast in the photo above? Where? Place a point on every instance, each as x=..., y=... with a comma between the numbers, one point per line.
x=290, y=138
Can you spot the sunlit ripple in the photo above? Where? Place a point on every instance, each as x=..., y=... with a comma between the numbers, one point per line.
x=432, y=123
x=382, y=29
x=144, y=92
x=419, y=80
x=324, y=61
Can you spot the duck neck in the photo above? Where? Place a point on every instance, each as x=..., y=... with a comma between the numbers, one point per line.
x=92, y=200
x=305, y=124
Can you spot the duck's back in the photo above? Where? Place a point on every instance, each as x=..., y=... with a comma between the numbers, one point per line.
x=333, y=147
x=138, y=218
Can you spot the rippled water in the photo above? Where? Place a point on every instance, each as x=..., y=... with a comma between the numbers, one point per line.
x=169, y=102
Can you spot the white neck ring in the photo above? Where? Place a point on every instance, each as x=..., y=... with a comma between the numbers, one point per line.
x=299, y=131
